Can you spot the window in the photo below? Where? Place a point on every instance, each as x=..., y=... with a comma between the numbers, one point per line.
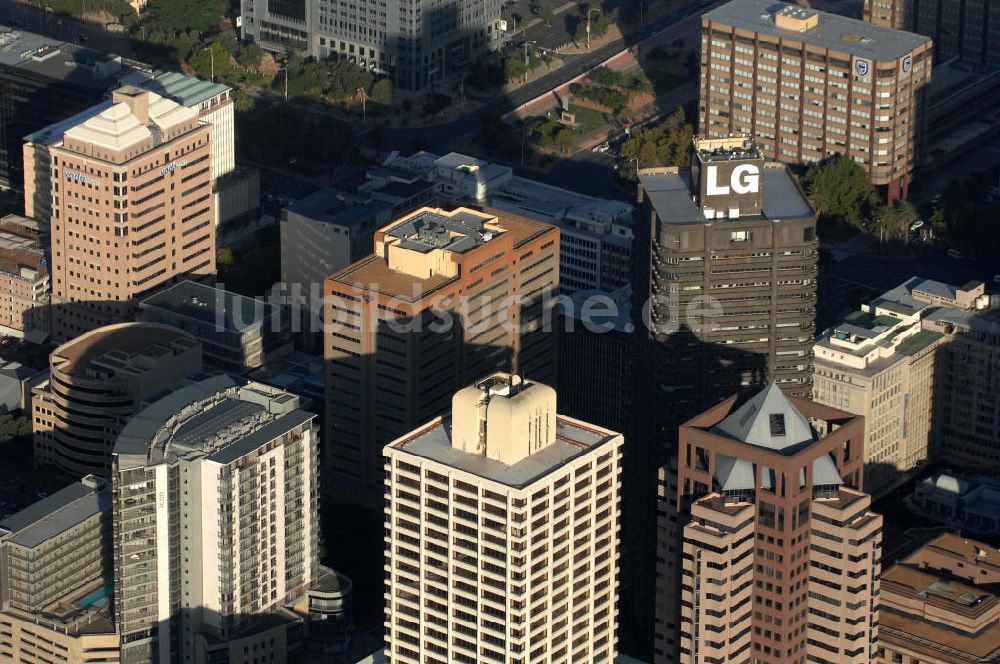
x=777, y=422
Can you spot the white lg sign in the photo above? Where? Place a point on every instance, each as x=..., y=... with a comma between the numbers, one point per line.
x=745, y=179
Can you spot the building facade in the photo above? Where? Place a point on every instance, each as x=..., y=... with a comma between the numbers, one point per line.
x=96, y=382
x=780, y=553
x=132, y=208
x=25, y=286
x=446, y=298
x=230, y=469
x=55, y=578
x=807, y=85
x=416, y=46
x=502, y=525
x=879, y=362
x=940, y=605
x=967, y=29
x=237, y=334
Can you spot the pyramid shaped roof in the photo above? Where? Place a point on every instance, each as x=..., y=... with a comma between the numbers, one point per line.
x=768, y=420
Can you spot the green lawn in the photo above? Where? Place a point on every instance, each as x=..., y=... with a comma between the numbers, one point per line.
x=588, y=119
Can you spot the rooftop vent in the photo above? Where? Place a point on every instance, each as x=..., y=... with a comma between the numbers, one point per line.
x=433, y=234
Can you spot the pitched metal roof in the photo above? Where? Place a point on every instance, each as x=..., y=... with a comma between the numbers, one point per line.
x=769, y=420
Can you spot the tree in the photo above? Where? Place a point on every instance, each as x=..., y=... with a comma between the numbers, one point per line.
x=382, y=92
x=840, y=191
x=242, y=102
x=224, y=257
x=667, y=144
x=546, y=15
x=893, y=223
x=213, y=60
x=608, y=78
x=565, y=139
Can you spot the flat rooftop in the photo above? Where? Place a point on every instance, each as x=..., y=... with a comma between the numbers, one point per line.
x=329, y=205
x=58, y=60
x=373, y=273
x=428, y=229
x=120, y=340
x=572, y=439
x=967, y=549
x=55, y=514
x=670, y=192
x=834, y=32
x=229, y=311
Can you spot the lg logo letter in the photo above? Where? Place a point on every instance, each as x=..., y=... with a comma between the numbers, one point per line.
x=745, y=179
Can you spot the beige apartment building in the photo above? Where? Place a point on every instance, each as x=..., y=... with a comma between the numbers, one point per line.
x=215, y=523
x=780, y=552
x=445, y=299
x=807, y=84
x=131, y=207
x=879, y=362
x=502, y=533
x=940, y=605
x=55, y=579
x=25, y=287
x=96, y=383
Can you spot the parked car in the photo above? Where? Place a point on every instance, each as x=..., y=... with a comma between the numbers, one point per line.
x=954, y=253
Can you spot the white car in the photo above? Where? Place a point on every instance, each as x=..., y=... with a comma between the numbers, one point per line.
x=917, y=224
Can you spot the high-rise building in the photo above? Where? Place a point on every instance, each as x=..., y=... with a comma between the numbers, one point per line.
x=807, y=84
x=967, y=29
x=879, y=362
x=42, y=80
x=502, y=532
x=237, y=334
x=446, y=298
x=215, y=522
x=730, y=276
x=416, y=45
x=55, y=576
x=96, y=382
x=24, y=278
x=941, y=605
x=780, y=553
x=595, y=233
x=131, y=207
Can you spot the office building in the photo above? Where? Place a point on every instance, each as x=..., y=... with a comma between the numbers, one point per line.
x=132, y=208
x=96, y=382
x=416, y=46
x=879, y=362
x=730, y=275
x=940, y=605
x=967, y=29
x=966, y=410
x=55, y=573
x=502, y=532
x=25, y=287
x=446, y=298
x=218, y=470
x=596, y=233
x=44, y=80
x=237, y=334
x=780, y=553
x=807, y=84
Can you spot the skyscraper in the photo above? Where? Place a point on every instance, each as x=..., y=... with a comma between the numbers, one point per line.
x=502, y=532
x=780, y=553
x=215, y=522
x=807, y=84
x=96, y=383
x=24, y=278
x=446, y=298
x=730, y=275
x=968, y=29
x=132, y=208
